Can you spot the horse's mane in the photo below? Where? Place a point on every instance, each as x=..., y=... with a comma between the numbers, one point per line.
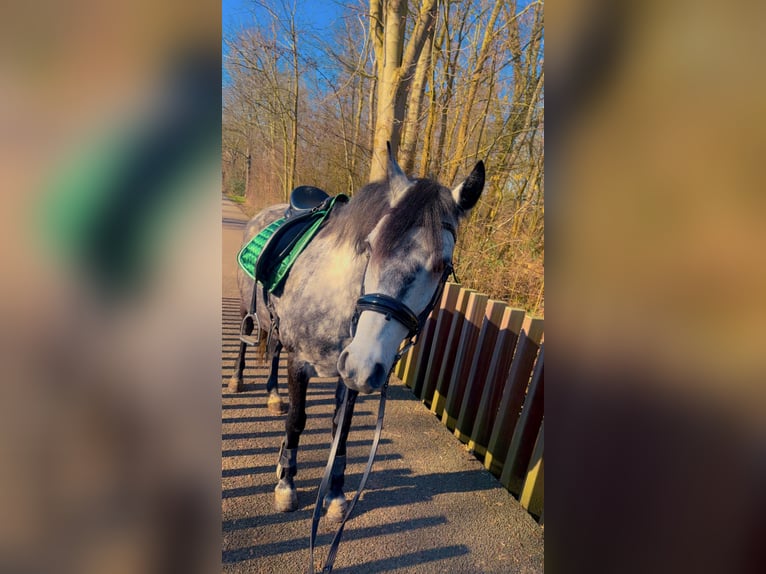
x=425, y=204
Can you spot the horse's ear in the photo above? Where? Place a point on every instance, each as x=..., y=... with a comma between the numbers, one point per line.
x=467, y=193
x=397, y=181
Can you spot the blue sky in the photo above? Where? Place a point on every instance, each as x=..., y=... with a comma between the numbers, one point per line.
x=317, y=14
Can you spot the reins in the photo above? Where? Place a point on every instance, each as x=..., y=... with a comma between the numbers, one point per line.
x=391, y=308
x=328, y=471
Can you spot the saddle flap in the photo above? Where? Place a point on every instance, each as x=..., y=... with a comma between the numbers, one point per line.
x=281, y=244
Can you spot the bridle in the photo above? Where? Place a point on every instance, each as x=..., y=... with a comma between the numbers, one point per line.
x=392, y=309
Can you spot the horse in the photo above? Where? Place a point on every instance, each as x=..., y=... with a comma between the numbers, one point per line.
x=383, y=255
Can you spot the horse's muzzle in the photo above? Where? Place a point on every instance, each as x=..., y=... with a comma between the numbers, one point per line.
x=363, y=379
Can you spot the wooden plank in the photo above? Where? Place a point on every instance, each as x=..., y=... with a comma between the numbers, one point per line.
x=415, y=354
x=534, y=328
x=444, y=321
x=445, y=369
x=533, y=492
x=513, y=395
x=477, y=376
x=524, y=436
x=401, y=366
x=510, y=328
x=424, y=347
x=463, y=358
x=408, y=367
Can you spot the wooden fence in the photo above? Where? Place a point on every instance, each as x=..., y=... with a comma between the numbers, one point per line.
x=478, y=366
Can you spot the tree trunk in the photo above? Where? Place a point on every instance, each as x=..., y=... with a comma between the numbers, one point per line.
x=357, y=119
x=296, y=94
x=371, y=111
x=395, y=68
x=451, y=55
x=414, y=103
x=248, y=165
x=390, y=57
x=436, y=43
x=476, y=77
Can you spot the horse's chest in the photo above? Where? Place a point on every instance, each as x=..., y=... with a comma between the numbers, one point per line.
x=313, y=324
x=317, y=304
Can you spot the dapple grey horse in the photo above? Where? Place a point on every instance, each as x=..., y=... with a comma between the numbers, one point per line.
x=395, y=237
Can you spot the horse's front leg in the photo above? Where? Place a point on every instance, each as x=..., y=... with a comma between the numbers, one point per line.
x=235, y=382
x=285, y=494
x=335, y=500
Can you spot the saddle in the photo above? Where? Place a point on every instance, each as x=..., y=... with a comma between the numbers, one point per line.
x=305, y=198
x=268, y=257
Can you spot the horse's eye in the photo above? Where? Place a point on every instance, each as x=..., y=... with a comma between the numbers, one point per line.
x=438, y=266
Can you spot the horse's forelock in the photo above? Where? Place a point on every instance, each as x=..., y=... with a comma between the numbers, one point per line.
x=425, y=204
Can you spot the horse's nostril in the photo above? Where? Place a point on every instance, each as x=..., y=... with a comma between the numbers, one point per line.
x=378, y=376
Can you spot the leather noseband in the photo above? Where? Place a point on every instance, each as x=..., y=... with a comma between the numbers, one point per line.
x=393, y=308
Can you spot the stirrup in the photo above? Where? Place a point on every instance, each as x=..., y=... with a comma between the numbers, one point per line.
x=255, y=337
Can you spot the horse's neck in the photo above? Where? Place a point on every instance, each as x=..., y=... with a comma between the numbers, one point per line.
x=330, y=266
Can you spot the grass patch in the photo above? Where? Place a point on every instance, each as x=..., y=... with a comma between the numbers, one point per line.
x=236, y=198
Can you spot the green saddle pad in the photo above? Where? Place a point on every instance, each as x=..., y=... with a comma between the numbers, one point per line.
x=278, y=270
x=248, y=255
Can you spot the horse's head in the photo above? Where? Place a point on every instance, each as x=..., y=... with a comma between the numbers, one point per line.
x=409, y=253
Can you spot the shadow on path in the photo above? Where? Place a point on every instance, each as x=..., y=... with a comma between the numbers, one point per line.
x=301, y=544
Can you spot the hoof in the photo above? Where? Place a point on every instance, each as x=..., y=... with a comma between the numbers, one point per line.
x=336, y=508
x=275, y=405
x=235, y=385
x=285, y=498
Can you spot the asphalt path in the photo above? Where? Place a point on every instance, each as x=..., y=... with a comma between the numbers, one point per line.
x=429, y=505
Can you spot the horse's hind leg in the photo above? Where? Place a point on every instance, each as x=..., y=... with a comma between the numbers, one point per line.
x=285, y=494
x=275, y=404
x=335, y=500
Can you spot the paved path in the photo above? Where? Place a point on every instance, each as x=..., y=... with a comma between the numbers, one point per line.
x=429, y=506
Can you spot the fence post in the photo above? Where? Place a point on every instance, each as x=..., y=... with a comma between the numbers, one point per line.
x=532, y=493
x=510, y=328
x=523, y=439
x=419, y=352
x=444, y=320
x=513, y=395
x=402, y=364
x=399, y=367
x=477, y=376
x=450, y=348
x=477, y=303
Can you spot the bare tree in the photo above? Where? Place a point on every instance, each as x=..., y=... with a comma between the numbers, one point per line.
x=445, y=81
x=477, y=76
